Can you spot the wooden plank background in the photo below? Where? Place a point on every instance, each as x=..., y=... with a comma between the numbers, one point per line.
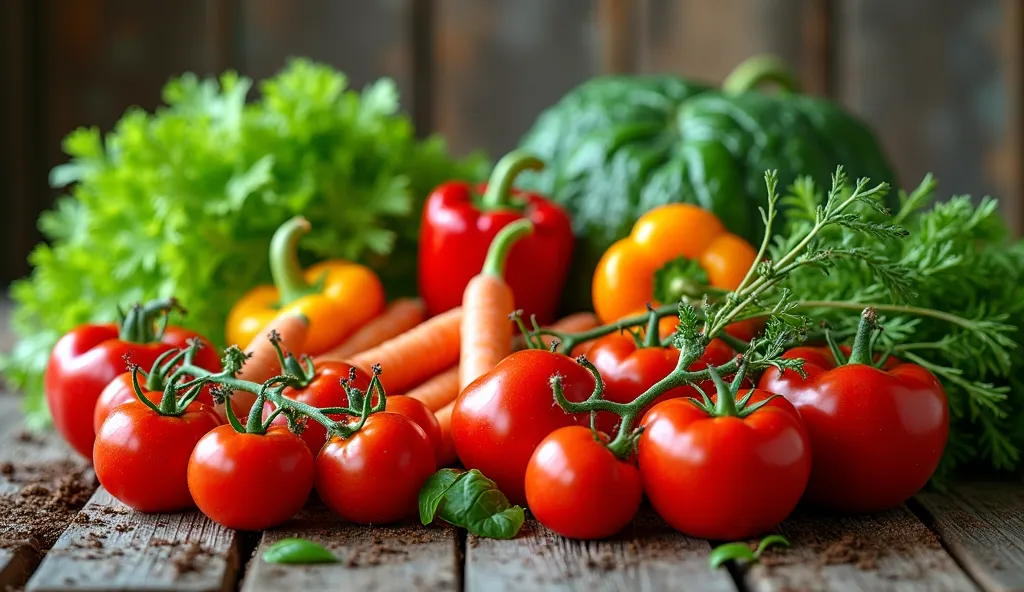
x=940, y=80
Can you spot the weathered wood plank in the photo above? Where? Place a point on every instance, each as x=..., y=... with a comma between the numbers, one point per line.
x=110, y=546
x=647, y=556
x=982, y=525
x=888, y=551
x=499, y=64
x=400, y=557
x=41, y=488
x=929, y=76
x=706, y=40
x=365, y=40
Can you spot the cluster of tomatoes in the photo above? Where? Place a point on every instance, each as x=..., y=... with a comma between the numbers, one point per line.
x=177, y=450
x=851, y=436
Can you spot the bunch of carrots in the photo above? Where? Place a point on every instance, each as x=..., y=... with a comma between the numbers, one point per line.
x=428, y=359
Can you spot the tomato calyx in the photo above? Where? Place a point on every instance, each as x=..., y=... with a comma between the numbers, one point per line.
x=171, y=404
x=726, y=403
x=146, y=323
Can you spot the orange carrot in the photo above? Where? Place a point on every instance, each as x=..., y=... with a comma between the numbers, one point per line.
x=399, y=316
x=263, y=362
x=574, y=323
x=414, y=356
x=438, y=391
x=485, y=333
x=444, y=418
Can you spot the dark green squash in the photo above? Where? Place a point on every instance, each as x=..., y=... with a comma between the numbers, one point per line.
x=617, y=146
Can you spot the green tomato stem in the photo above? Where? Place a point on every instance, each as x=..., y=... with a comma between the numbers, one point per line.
x=498, y=192
x=138, y=325
x=725, y=402
x=284, y=261
x=861, y=353
x=507, y=237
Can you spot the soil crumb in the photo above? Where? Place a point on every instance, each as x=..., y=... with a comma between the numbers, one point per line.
x=50, y=497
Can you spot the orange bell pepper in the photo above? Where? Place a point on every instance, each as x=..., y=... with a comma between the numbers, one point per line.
x=336, y=296
x=673, y=251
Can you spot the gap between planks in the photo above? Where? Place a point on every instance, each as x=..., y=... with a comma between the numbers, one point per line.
x=110, y=546
x=982, y=525
x=22, y=544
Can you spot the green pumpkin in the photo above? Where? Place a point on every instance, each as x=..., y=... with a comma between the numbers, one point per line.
x=617, y=146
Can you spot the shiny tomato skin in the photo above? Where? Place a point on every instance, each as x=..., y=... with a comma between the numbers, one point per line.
x=323, y=391
x=120, y=390
x=421, y=415
x=84, y=361
x=724, y=478
x=628, y=371
x=141, y=457
x=576, y=487
x=876, y=435
x=501, y=417
x=375, y=475
x=250, y=481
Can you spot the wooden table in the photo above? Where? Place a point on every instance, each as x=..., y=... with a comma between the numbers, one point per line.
x=967, y=539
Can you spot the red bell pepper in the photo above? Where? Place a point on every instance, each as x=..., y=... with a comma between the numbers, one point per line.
x=459, y=223
x=878, y=427
x=87, y=359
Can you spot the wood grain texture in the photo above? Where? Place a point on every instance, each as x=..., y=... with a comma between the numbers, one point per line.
x=929, y=77
x=887, y=551
x=111, y=547
x=982, y=525
x=1008, y=161
x=19, y=166
x=648, y=556
x=401, y=557
x=706, y=40
x=365, y=40
x=499, y=64
x=24, y=458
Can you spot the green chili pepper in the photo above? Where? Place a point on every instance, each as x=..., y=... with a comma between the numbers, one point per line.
x=297, y=551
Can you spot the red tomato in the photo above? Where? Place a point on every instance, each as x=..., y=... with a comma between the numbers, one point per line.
x=375, y=475
x=628, y=371
x=501, y=417
x=421, y=415
x=724, y=478
x=876, y=435
x=576, y=487
x=141, y=457
x=87, y=359
x=323, y=391
x=120, y=390
x=250, y=481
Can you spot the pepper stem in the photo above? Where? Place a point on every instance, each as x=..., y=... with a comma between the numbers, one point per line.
x=759, y=70
x=497, y=253
x=284, y=261
x=497, y=195
x=860, y=353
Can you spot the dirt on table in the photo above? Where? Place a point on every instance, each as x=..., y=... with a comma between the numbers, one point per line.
x=50, y=496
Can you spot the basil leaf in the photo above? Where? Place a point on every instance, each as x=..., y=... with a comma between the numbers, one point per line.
x=297, y=551
x=432, y=493
x=475, y=503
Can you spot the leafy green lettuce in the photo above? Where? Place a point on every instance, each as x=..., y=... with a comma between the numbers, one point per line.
x=184, y=202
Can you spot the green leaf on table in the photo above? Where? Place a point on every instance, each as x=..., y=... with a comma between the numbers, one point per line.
x=472, y=501
x=297, y=551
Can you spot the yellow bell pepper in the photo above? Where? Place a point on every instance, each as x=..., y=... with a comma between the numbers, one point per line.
x=336, y=296
x=673, y=251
